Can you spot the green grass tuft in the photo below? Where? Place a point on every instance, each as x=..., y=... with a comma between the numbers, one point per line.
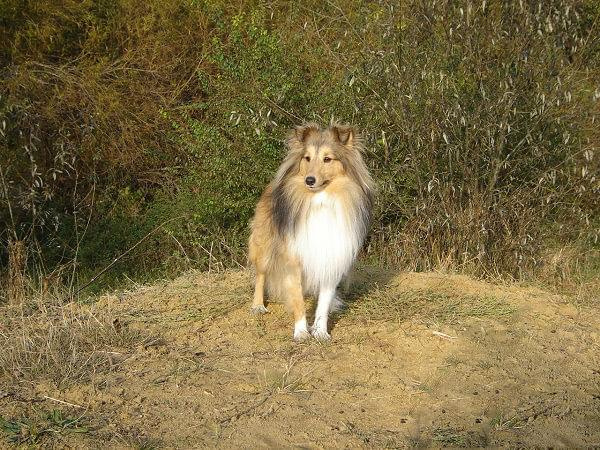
x=38, y=430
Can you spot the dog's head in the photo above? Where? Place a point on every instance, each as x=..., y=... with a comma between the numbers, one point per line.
x=323, y=154
x=316, y=159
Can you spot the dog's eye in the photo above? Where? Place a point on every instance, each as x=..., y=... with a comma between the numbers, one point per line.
x=307, y=158
x=327, y=159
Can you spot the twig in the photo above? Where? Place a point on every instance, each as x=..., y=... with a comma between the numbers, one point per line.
x=95, y=277
x=10, y=211
x=444, y=335
x=62, y=402
x=77, y=240
x=352, y=27
x=283, y=110
x=181, y=248
x=180, y=88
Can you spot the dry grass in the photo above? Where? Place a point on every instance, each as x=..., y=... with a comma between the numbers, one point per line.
x=222, y=377
x=283, y=381
x=428, y=305
x=62, y=343
x=574, y=271
x=17, y=260
x=163, y=303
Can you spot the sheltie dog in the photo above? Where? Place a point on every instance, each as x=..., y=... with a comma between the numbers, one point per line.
x=310, y=223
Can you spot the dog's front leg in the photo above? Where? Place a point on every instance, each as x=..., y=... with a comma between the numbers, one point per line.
x=319, y=328
x=295, y=297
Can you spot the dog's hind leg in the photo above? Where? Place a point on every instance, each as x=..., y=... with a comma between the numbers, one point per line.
x=337, y=304
x=346, y=283
x=258, y=303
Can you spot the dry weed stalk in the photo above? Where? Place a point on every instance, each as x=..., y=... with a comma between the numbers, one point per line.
x=17, y=259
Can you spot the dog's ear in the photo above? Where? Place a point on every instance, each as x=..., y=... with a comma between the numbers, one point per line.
x=344, y=134
x=302, y=132
x=296, y=137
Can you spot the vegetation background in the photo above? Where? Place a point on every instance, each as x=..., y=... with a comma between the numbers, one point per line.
x=122, y=118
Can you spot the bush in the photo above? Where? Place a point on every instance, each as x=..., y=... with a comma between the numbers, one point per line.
x=119, y=116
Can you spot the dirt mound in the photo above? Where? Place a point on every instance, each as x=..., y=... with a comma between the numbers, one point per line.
x=416, y=359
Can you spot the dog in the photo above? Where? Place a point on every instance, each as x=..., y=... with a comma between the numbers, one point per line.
x=310, y=223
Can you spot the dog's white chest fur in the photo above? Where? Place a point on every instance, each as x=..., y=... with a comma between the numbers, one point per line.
x=326, y=242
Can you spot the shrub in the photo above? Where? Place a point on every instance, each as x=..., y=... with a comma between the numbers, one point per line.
x=480, y=122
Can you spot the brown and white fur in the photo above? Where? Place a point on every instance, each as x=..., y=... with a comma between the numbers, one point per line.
x=310, y=223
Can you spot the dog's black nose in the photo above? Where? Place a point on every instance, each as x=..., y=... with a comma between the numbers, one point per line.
x=310, y=181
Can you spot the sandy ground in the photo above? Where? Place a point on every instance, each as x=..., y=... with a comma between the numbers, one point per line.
x=417, y=359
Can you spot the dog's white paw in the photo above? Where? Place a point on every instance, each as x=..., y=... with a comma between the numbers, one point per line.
x=301, y=336
x=301, y=331
x=320, y=334
x=259, y=309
